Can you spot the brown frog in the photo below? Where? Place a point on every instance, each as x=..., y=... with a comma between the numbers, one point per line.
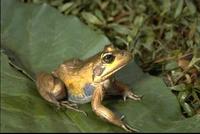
x=80, y=82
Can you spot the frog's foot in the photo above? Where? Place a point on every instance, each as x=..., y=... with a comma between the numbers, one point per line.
x=128, y=128
x=63, y=103
x=131, y=95
x=72, y=106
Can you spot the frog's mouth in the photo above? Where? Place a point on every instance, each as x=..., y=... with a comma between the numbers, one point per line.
x=108, y=74
x=112, y=72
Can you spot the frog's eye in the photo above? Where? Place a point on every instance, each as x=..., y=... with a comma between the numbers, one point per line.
x=108, y=58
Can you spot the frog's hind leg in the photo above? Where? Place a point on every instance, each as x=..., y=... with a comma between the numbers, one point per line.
x=50, y=88
x=53, y=90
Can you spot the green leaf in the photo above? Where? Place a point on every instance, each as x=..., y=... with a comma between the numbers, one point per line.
x=149, y=38
x=171, y=65
x=179, y=7
x=119, y=29
x=191, y=6
x=166, y=4
x=65, y=7
x=180, y=87
x=23, y=110
x=42, y=28
x=38, y=37
x=137, y=24
x=91, y=18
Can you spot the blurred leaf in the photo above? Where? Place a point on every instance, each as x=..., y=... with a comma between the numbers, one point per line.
x=56, y=2
x=149, y=38
x=180, y=87
x=191, y=6
x=120, y=29
x=64, y=7
x=138, y=22
x=169, y=34
x=41, y=39
x=182, y=97
x=99, y=14
x=178, y=8
x=165, y=7
x=171, y=65
x=154, y=6
x=90, y=18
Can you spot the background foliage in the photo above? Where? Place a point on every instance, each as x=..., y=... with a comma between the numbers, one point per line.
x=36, y=37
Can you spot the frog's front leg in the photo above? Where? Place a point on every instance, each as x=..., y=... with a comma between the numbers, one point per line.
x=53, y=90
x=124, y=90
x=106, y=113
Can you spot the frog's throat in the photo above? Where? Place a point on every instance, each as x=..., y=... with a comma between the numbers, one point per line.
x=104, y=77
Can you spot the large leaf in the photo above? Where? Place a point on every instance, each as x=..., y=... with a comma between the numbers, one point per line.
x=38, y=38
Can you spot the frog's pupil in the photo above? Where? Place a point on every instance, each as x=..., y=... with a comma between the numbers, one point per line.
x=109, y=58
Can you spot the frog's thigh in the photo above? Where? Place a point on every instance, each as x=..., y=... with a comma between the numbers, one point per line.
x=50, y=88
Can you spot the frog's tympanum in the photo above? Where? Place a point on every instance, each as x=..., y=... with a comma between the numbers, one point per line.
x=78, y=82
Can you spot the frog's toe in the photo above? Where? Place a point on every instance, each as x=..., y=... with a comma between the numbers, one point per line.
x=58, y=107
x=122, y=117
x=132, y=96
x=72, y=106
x=128, y=128
x=135, y=97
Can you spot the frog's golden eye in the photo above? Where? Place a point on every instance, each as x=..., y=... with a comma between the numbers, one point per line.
x=108, y=58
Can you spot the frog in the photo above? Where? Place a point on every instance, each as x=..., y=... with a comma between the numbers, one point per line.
x=76, y=82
